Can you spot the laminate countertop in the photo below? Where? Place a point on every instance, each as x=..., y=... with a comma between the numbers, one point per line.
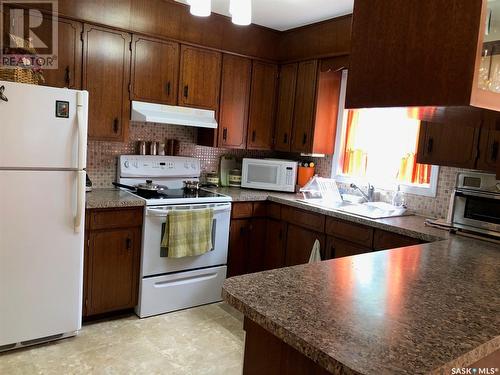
x=111, y=198
x=422, y=309
x=411, y=226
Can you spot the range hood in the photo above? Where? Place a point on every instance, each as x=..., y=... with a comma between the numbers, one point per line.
x=169, y=114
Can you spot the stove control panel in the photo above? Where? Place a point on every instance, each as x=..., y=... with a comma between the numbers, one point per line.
x=158, y=166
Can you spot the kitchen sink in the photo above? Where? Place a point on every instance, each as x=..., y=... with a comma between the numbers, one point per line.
x=371, y=210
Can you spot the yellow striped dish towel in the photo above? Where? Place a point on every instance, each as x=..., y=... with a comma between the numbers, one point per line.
x=188, y=233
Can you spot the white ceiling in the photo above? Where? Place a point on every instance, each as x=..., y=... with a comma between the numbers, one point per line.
x=287, y=14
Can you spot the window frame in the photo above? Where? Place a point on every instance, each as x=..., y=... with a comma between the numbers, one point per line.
x=427, y=191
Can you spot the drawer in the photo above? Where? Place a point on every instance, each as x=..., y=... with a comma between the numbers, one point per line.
x=110, y=218
x=180, y=290
x=359, y=234
x=384, y=240
x=305, y=219
x=274, y=210
x=259, y=209
x=242, y=210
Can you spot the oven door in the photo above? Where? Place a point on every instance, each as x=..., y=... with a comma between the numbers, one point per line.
x=477, y=211
x=154, y=261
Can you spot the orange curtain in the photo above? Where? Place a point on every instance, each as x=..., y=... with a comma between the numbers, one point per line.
x=354, y=161
x=412, y=172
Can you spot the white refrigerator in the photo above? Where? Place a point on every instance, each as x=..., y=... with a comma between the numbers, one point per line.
x=43, y=142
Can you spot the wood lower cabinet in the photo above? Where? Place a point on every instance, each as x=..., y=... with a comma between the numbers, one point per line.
x=299, y=244
x=262, y=106
x=155, y=70
x=267, y=355
x=246, y=246
x=234, y=103
x=338, y=248
x=112, y=259
x=200, y=72
x=275, y=244
x=383, y=240
x=106, y=76
x=445, y=144
x=268, y=235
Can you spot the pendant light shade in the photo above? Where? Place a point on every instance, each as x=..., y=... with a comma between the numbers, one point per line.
x=241, y=12
x=200, y=8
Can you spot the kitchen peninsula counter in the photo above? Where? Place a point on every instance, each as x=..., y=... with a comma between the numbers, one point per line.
x=423, y=309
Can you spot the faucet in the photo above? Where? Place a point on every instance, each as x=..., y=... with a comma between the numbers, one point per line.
x=370, y=197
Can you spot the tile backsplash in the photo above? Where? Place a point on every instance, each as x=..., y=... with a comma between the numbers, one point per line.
x=102, y=162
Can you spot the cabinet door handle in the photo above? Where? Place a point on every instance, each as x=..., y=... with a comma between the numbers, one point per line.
x=332, y=252
x=285, y=138
x=128, y=244
x=186, y=91
x=67, y=76
x=115, y=125
x=430, y=145
x=280, y=234
x=304, y=139
x=254, y=135
x=494, y=151
x=168, y=88
x=224, y=134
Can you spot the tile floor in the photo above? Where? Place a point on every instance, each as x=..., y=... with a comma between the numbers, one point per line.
x=203, y=340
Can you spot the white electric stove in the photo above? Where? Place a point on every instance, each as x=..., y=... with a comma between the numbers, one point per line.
x=169, y=284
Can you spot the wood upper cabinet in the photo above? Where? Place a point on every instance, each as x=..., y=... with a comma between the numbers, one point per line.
x=155, y=70
x=234, y=102
x=286, y=103
x=262, y=106
x=69, y=55
x=68, y=72
x=305, y=98
x=106, y=76
x=424, y=53
x=299, y=244
x=489, y=142
x=200, y=72
x=316, y=108
x=112, y=259
x=444, y=144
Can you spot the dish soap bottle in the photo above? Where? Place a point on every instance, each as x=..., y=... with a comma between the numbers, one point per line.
x=398, y=199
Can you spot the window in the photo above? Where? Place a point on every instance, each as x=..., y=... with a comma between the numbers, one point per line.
x=379, y=146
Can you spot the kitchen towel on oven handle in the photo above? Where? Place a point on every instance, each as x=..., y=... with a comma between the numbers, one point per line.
x=188, y=233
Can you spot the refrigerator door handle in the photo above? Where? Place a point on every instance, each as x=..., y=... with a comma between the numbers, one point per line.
x=82, y=131
x=80, y=200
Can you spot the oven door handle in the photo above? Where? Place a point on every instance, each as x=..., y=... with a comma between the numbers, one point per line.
x=164, y=213
x=464, y=194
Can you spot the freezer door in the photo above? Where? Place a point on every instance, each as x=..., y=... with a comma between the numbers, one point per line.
x=34, y=132
x=41, y=255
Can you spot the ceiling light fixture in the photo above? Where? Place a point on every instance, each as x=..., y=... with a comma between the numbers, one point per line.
x=200, y=8
x=241, y=12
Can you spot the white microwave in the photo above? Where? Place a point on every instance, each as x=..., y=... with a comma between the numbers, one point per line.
x=269, y=174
